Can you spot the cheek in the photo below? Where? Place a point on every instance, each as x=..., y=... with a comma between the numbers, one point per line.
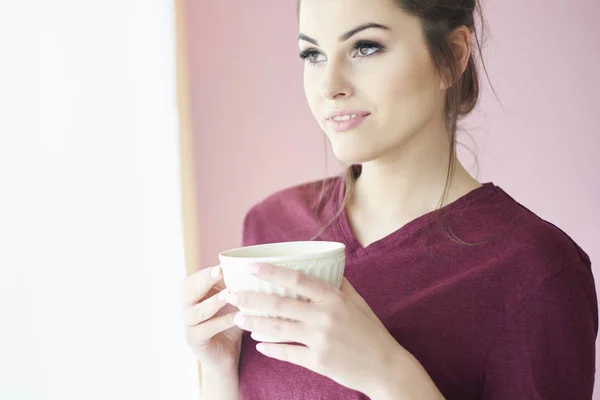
x=314, y=98
x=310, y=91
x=412, y=92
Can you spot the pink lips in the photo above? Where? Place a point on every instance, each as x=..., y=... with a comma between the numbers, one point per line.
x=349, y=124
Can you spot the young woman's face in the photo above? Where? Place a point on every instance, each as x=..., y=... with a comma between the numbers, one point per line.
x=385, y=73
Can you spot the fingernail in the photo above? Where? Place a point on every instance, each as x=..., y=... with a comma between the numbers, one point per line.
x=215, y=272
x=232, y=298
x=239, y=319
x=223, y=294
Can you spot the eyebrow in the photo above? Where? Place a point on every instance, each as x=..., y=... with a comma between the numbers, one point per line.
x=348, y=34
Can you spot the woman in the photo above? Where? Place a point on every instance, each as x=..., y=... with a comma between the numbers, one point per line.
x=453, y=289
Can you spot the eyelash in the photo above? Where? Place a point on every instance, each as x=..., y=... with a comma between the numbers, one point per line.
x=307, y=54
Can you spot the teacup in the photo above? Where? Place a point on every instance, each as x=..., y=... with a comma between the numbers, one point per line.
x=323, y=260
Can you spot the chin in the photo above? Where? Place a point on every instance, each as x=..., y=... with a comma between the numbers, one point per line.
x=354, y=154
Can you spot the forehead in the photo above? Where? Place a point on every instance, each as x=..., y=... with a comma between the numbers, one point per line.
x=325, y=18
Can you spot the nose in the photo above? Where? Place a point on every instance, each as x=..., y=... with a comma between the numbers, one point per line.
x=335, y=84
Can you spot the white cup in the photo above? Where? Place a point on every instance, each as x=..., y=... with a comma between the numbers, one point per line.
x=323, y=260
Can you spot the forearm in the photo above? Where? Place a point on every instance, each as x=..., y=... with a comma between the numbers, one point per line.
x=406, y=380
x=222, y=386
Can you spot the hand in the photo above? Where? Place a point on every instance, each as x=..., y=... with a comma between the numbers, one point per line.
x=210, y=330
x=344, y=339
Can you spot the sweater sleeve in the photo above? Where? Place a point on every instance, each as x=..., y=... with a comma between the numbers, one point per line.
x=546, y=350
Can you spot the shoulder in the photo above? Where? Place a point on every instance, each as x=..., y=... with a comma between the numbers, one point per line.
x=549, y=315
x=284, y=211
x=539, y=285
x=517, y=248
x=532, y=236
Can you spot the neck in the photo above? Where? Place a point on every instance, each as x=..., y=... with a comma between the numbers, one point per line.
x=410, y=181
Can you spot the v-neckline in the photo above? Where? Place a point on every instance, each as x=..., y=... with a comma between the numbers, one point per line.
x=358, y=250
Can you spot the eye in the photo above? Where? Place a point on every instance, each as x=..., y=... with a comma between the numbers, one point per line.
x=310, y=55
x=362, y=45
x=362, y=48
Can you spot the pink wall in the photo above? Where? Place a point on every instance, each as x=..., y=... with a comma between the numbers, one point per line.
x=255, y=134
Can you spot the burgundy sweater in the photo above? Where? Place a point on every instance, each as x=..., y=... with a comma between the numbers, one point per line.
x=513, y=317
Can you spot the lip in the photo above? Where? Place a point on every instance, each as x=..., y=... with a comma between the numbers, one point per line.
x=343, y=126
x=340, y=113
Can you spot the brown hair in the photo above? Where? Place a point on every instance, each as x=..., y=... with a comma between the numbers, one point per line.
x=439, y=18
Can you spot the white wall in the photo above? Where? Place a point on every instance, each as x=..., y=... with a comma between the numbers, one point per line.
x=91, y=254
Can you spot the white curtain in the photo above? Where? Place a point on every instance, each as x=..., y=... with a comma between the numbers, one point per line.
x=91, y=248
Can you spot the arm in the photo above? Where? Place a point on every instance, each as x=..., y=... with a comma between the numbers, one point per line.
x=546, y=349
x=226, y=385
x=407, y=380
x=222, y=386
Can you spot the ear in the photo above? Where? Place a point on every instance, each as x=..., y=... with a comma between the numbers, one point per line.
x=460, y=43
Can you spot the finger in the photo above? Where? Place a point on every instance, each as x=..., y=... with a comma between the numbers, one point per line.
x=197, y=285
x=304, y=285
x=294, y=354
x=206, y=309
x=210, y=328
x=277, y=328
x=283, y=307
